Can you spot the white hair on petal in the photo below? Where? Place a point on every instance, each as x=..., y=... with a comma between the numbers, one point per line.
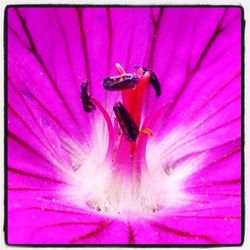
x=95, y=184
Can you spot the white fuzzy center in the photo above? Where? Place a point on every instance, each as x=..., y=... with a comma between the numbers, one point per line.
x=95, y=185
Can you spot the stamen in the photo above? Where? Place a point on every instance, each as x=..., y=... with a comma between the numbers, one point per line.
x=146, y=131
x=143, y=137
x=153, y=79
x=126, y=122
x=120, y=69
x=87, y=102
x=110, y=127
x=124, y=81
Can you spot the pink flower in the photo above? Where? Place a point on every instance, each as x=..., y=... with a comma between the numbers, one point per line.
x=145, y=165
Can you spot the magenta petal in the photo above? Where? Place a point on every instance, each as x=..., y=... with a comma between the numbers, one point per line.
x=62, y=186
x=51, y=225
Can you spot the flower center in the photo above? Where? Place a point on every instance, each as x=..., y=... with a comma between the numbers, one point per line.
x=124, y=138
x=122, y=182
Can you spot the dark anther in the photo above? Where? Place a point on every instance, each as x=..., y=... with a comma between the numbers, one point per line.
x=127, y=124
x=153, y=79
x=125, y=81
x=87, y=103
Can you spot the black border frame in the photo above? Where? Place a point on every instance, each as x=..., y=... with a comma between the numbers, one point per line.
x=5, y=44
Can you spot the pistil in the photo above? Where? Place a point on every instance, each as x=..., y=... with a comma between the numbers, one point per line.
x=133, y=98
x=122, y=146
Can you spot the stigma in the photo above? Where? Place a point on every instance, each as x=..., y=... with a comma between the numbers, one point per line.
x=133, y=87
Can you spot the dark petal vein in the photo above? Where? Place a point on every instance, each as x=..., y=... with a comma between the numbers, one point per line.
x=79, y=12
x=204, y=121
x=207, y=217
x=110, y=40
x=55, y=210
x=215, y=183
x=18, y=37
x=70, y=62
x=156, y=26
x=37, y=55
x=235, y=145
x=31, y=112
x=189, y=75
x=68, y=223
x=131, y=234
x=226, y=124
x=25, y=145
x=33, y=175
x=182, y=232
x=100, y=228
x=216, y=33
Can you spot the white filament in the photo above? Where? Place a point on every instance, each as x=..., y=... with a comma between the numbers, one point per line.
x=95, y=184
